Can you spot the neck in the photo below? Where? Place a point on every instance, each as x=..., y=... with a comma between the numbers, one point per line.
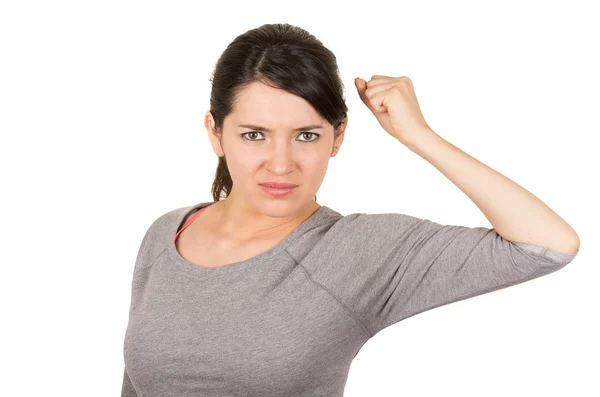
x=239, y=221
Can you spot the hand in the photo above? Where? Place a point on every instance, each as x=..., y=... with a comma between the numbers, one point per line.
x=394, y=103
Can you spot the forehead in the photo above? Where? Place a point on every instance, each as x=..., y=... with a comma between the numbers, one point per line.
x=261, y=104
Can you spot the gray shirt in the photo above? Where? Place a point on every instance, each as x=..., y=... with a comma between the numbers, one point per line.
x=289, y=321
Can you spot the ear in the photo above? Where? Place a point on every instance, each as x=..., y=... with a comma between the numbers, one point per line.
x=338, y=141
x=213, y=135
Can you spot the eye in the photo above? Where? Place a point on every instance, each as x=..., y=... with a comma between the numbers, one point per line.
x=258, y=132
x=310, y=133
x=252, y=132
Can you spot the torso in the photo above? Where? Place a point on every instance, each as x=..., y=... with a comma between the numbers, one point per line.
x=199, y=245
x=200, y=248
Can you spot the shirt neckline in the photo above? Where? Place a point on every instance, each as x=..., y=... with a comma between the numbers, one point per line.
x=320, y=216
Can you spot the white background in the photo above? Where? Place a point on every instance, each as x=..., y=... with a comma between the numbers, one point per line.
x=101, y=116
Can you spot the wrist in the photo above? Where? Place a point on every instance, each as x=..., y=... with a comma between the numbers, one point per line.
x=423, y=141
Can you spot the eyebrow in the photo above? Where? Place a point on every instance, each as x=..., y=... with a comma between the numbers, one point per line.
x=258, y=127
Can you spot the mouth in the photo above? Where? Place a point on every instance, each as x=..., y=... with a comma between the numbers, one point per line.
x=277, y=192
x=278, y=185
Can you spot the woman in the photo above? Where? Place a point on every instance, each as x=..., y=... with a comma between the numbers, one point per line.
x=263, y=292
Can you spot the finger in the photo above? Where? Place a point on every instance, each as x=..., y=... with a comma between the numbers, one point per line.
x=372, y=90
x=375, y=80
x=374, y=83
x=377, y=100
x=381, y=76
x=361, y=86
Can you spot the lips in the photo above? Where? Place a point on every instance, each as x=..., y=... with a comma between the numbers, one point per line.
x=278, y=185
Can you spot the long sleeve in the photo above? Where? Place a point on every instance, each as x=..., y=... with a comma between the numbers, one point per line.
x=127, y=390
x=388, y=267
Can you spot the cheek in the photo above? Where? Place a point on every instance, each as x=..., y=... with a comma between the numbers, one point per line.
x=241, y=168
x=314, y=169
x=244, y=164
x=242, y=159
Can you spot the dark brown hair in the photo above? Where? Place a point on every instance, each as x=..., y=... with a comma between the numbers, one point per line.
x=282, y=56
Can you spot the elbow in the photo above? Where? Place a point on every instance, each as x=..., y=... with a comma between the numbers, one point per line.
x=574, y=248
x=571, y=247
x=567, y=244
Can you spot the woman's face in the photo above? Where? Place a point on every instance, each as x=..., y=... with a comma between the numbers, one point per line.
x=264, y=140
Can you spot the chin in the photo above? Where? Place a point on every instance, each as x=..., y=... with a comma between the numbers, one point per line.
x=280, y=208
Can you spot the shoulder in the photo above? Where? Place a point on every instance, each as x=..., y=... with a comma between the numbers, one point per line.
x=166, y=223
x=360, y=223
x=160, y=232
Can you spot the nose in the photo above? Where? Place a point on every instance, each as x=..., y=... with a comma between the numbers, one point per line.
x=281, y=157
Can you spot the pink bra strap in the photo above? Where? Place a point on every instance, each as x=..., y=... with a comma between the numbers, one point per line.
x=190, y=220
